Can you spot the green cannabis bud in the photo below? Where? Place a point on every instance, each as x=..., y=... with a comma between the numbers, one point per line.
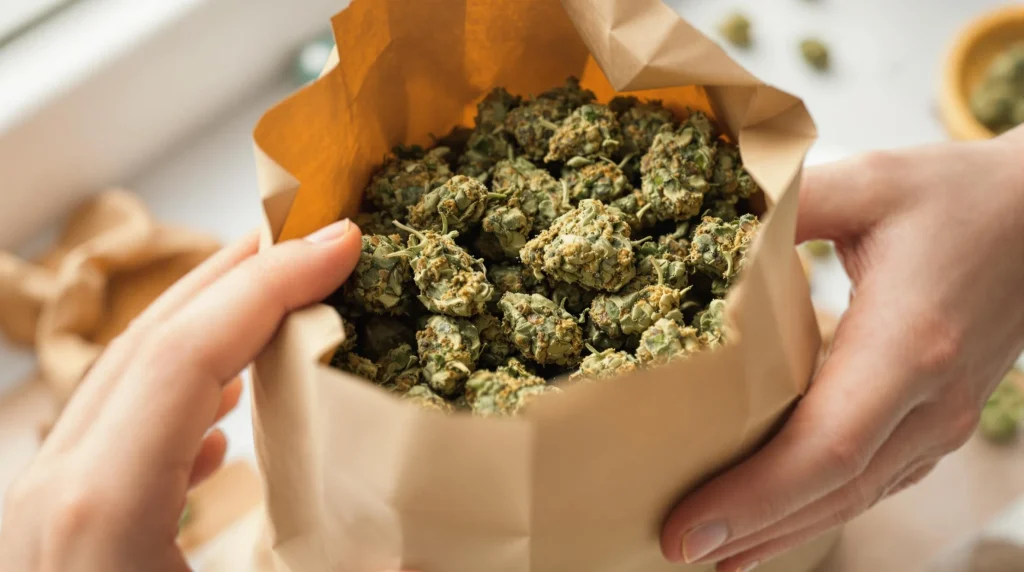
x=402, y=181
x=355, y=364
x=635, y=209
x=621, y=315
x=574, y=299
x=602, y=180
x=423, y=397
x=489, y=142
x=730, y=179
x=815, y=53
x=640, y=122
x=496, y=347
x=677, y=242
x=399, y=369
x=515, y=278
x=588, y=246
x=590, y=131
x=666, y=340
x=604, y=365
x=532, y=190
x=540, y=329
x=510, y=228
x=677, y=170
x=599, y=339
x=379, y=222
x=534, y=123
x=998, y=101
x=724, y=208
x=517, y=369
x=380, y=283
x=448, y=350
x=458, y=204
x=711, y=324
x=1004, y=411
x=719, y=248
x=659, y=263
x=451, y=281
x=494, y=108
x=736, y=29
x=490, y=393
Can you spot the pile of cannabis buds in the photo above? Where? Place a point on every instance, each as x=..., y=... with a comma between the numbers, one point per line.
x=618, y=263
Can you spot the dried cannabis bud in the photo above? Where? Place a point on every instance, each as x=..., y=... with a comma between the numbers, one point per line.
x=600, y=340
x=448, y=350
x=815, y=53
x=496, y=346
x=510, y=228
x=1004, y=411
x=381, y=283
x=998, y=101
x=490, y=393
x=588, y=246
x=574, y=299
x=494, y=108
x=590, y=131
x=540, y=329
x=459, y=203
x=516, y=368
x=621, y=315
x=399, y=369
x=736, y=29
x=677, y=242
x=731, y=180
x=711, y=324
x=719, y=248
x=402, y=181
x=355, y=364
x=724, y=208
x=532, y=190
x=659, y=267
x=602, y=180
x=666, y=340
x=450, y=280
x=379, y=222
x=604, y=365
x=515, y=278
x=640, y=122
x=421, y=396
x=349, y=343
x=534, y=123
x=677, y=170
x=636, y=210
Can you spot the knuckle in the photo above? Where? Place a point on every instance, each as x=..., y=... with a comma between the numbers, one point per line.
x=940, y=345
x=846, y=456
x=960, y=428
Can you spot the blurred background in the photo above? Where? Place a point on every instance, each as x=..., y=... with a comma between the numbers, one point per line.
x=160, y=97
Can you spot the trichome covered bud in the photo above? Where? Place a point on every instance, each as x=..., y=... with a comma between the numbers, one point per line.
x=604, y=365
x=719, y=248
x=381, y=283
x=677, y=170
x=423, y=397
x=640, y=121
x=451, y=281
x=666, y=340
x=602, y=180
x=711, y=324
x=590, y=131
x=540, y=329
x=491, y=393
x=458, y=204
x=402, y=181
x=448, y=351
x=621, y=315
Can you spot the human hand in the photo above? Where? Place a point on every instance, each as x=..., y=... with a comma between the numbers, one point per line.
x=933, y=244
x=107, y=487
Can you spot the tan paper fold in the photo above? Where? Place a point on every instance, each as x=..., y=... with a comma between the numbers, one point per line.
x=358, y=481
x=111, y=260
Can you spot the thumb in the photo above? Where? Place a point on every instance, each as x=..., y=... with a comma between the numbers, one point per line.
x=843, y=199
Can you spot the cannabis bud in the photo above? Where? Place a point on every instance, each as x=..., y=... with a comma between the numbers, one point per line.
x=604, y=365
x=380, y=222
x=534, y=123
x=625, y=314
x=815, y=53
x=998, y=101
x=719, y=248
x=355, y=364
x=496, y=347
x=531, y=190
x=458, y=204
x=399, y=369
x=730, y=180
x=602, y=180
x=402, y=181
x=574, y=299
x=588, y=246
x=540, y=329
x=711, y=324
x=1004, y=411
x=666, y=340
x=421, y=396
x=635, y=209
x=510, y=228
x=381, y=283
x=677, y=170
x=640, y=122
x=736, y=29
x=490, y=393
x=590, y=131
x=515, y=278
x=450, y=280
x=448, y=350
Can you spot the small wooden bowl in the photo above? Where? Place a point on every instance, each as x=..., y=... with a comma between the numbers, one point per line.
x=967, y=64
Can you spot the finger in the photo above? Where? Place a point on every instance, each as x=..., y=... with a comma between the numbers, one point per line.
x=181, y=369
x=851, y=408
x=915, y=477
x=914, y=439
x=841, y=199
x=210, y=457
x=229, y=399
x=97, y=385
x=750, y=559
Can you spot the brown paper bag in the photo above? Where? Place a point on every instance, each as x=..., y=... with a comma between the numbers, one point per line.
x=356, y=480
x=111, y=260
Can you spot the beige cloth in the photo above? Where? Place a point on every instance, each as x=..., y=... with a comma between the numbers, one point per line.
x=357, y=481
x=111, y=260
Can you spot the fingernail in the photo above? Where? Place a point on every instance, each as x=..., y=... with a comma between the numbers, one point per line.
x=704, y=540
x=748, y=567
x=330, y=232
